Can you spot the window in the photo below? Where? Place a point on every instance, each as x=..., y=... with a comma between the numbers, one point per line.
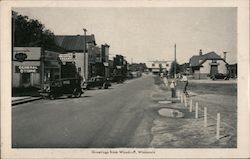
x=167, y=64
x=153, y=64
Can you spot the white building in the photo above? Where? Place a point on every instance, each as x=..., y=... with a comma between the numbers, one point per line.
x=156, y=66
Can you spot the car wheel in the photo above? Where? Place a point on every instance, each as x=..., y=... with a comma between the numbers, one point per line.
x=78, y=94
x=51, y=96
x=106, y=86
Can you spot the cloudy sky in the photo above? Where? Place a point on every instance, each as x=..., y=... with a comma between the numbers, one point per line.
x=148, y=33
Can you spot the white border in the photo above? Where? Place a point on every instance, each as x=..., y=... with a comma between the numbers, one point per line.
x=243, y=82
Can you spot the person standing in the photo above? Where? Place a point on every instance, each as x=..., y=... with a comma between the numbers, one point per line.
x=165, y=81
x=185, y=80
x=172, y=86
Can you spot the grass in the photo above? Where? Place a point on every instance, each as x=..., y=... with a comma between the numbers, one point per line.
x=218, y=98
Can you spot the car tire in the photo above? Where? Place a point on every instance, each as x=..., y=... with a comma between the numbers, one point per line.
x=106, y=86
x=77, y=93
x=51, y=97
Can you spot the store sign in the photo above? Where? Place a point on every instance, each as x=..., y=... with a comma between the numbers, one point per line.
x=66, y=57
x=20, y=56
x=27, y=69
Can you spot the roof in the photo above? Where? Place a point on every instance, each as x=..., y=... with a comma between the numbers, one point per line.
x=74, y=42
x=197, y=60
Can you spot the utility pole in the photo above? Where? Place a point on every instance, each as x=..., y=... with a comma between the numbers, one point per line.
x=175, y=61
x=84, y=54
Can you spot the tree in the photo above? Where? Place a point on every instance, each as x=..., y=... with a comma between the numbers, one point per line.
x=31, y=32
x=172, y=68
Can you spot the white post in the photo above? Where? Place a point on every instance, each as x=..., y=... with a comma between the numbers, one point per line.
x=185, y=100
x=218, y=127
x=196, y=110
x=178, y=95
x=205, y=117
x=181, y=98
x=191, y=105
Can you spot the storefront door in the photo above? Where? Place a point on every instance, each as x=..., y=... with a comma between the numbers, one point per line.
x=214, y=70
x=25, y=80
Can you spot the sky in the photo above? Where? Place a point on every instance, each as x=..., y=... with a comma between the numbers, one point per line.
x=142, y=34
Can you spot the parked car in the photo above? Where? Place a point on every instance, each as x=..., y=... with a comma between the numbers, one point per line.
x=67, y=86
x=98, y=81
x=220, y=76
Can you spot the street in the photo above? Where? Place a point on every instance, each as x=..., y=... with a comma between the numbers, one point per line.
x=126, y=115
x=100, y=118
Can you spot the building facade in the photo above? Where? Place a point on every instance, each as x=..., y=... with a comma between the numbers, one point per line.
x=76, y=53
x=34, y=67
x=158, y=66
x=203, y=66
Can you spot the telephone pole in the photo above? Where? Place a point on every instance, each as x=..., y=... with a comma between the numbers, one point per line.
x=175, y=61
x=84, y=54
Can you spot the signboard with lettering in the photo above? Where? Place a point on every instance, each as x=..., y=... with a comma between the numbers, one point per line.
x=66, y=57
x=27, y=69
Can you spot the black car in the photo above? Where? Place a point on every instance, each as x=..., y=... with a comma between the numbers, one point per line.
x=67, y=86
x=220, y=76
x=98, y=81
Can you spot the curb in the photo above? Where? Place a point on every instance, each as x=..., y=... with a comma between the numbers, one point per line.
x=25, y=100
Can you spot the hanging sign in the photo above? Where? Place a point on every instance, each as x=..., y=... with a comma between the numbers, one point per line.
x=20, y=56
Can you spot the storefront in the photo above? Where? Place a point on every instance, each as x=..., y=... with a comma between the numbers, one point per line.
x=32, y=67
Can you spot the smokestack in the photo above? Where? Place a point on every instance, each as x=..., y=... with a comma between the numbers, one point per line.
x=200, y=52
x=225, y=55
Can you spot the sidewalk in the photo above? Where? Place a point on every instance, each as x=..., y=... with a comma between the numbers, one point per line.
x=21, y=100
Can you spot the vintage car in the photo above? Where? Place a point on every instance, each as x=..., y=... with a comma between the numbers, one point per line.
x=220, y=76
x=67, y=86
x=98, y=81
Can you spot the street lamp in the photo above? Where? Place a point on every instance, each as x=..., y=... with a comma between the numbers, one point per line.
x=84, y=54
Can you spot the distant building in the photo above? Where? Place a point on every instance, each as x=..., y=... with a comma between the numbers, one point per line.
x=204, y=65
x=120, y=66
x=75, y=48
x=137, y=67
x=159, y=66
x=184, y=68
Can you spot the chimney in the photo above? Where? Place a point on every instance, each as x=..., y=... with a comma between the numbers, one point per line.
x=225, y=55
x=200, y=52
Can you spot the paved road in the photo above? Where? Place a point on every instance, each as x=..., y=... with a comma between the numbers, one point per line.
x=100, y=118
